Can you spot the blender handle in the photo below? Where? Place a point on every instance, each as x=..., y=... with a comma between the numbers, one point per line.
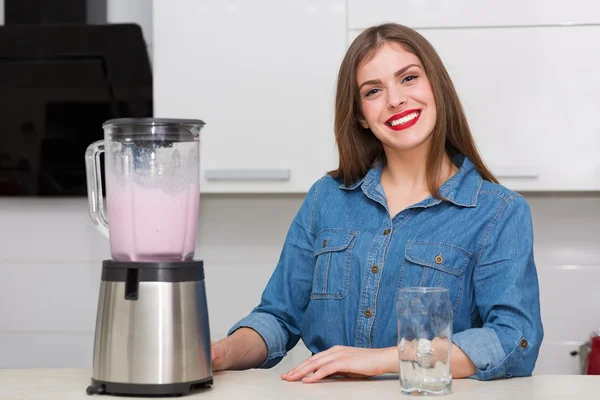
x=94, y=186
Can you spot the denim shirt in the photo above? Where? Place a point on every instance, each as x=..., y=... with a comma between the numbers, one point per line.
x=345, y=258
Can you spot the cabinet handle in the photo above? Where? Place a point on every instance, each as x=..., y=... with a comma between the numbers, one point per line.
x=516, y=172
x=274, y=174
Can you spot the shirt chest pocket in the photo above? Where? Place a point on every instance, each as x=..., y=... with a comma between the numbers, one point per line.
x=429, y=264
x=333, y=252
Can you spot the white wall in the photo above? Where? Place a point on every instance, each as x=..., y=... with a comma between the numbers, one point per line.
x=50, y=262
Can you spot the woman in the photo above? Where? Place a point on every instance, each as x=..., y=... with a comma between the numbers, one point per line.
x=411, y=204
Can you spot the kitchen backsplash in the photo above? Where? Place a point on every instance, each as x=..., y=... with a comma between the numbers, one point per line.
x=50, y=257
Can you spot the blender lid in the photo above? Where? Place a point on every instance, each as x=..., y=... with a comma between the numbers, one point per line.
x=153, y=121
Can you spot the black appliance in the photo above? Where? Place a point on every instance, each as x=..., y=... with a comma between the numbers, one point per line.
x=58, y=84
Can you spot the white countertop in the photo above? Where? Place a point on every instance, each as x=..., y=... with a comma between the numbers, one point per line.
x=71, y=384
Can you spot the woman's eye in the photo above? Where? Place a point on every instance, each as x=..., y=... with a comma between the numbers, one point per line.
x=410, y=78
x=371, y=92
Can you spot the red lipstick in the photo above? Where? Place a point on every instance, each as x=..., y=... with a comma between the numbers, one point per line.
x=398, y=127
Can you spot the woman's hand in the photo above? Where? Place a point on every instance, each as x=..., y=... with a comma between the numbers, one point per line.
x=218, y=352
x=244, y=349
x=351, y=362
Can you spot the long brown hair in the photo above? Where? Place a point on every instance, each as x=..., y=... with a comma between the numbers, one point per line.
x=357, y=146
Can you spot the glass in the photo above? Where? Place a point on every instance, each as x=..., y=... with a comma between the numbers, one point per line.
x=152, y=187
x=424, y=340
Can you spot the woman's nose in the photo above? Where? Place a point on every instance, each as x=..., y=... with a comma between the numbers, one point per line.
x=396, y=98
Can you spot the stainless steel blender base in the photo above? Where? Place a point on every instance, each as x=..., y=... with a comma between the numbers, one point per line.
x=152, y=330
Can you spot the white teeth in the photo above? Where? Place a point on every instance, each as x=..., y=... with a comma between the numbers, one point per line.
x=404, y=120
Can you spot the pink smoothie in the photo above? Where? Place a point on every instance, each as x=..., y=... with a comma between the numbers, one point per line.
x=149, y=224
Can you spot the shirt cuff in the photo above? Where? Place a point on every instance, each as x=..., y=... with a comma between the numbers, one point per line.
x=485, y=350
x=267, y=326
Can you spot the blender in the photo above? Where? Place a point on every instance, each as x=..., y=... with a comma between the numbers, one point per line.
x=152, y=333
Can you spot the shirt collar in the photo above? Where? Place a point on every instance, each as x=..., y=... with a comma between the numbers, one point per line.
x=461, y=189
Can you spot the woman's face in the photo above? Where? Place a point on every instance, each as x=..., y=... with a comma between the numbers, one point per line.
x=396, y=99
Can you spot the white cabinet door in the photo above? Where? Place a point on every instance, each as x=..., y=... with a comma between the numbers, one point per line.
x=262, y=75
x=471, y=13
x=530, y=91
x=530, y=95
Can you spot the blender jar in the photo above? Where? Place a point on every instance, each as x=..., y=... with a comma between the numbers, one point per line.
x=152, y=187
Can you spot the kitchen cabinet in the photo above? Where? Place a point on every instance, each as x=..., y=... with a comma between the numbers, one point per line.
x=526, y=73
x=471, y=13
x=262, y=75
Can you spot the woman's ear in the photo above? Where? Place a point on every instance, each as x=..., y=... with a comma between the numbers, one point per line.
x=364, y=124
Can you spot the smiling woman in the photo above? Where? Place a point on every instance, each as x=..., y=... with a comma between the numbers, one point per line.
x=414, y=206
x=394, y=65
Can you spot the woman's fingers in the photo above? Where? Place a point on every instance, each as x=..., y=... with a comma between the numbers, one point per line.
x=311, y=364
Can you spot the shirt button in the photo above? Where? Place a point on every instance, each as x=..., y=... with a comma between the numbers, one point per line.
x=324, y=242
x=374, y=269
x=524, y=344
x=439, y=259
x=368, y=314
x=386, y=232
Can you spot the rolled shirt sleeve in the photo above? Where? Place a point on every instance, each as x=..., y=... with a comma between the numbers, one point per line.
x=507, y=299
x=272, y=333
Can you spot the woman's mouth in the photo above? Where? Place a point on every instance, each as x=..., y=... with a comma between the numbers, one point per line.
x=403, y=120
